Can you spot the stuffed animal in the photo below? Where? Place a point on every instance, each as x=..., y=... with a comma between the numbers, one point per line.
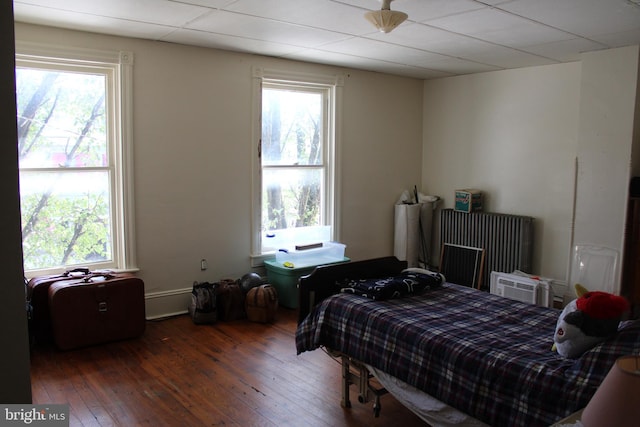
x=587, y=320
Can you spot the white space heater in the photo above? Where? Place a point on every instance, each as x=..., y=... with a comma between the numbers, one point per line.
x=521, y=288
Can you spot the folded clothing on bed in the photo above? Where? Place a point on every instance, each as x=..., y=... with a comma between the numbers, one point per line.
x=409, y=282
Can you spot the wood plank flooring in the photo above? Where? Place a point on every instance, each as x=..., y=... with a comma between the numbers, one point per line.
x=235, y=373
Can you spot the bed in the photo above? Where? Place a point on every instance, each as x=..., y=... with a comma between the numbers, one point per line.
x=473, y=358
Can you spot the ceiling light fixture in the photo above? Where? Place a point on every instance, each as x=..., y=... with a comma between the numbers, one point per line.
x=385, y=19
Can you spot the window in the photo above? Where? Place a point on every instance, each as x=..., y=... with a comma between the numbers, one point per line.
x=73, y=151
x=295, y=168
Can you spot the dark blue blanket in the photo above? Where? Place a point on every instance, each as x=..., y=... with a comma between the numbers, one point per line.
x=409, y=282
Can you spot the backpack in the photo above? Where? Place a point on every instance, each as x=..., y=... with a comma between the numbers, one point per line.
x=230, y=300
x=203, y=307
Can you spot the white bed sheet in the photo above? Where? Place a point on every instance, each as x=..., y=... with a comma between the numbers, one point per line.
x=428, y=408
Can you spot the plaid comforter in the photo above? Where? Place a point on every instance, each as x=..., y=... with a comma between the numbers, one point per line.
x=482, y=354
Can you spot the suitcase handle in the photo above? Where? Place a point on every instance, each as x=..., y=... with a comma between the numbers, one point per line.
x=105, y=276
x=80, y=270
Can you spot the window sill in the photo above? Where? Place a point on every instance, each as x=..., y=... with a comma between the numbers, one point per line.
x=258, y=260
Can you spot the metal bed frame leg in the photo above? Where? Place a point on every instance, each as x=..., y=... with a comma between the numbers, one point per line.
x=361, y=378
x=346, y=382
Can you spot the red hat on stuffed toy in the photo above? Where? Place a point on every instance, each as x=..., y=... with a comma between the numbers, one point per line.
x=602, y=305
x=600, y=312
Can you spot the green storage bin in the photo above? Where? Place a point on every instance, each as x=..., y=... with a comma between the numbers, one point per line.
x=285, y=280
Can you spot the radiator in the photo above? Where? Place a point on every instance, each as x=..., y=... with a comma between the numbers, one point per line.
x=506, y=239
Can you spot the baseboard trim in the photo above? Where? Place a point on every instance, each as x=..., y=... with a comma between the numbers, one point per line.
x=166, y=315
x=169, y=303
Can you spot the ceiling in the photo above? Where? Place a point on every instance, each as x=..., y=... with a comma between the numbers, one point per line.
x=440, y=38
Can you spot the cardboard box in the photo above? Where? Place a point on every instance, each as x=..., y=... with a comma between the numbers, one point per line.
x=285, y=279
x=468, y=201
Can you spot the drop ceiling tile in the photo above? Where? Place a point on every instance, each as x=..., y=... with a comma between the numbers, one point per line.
x=435, y=40
x=324, y=14
x=619, y=39
x=458, y=66
x=215, y=4
x=504, y=57
x=496, y=2
x=249, y=27
x=387, y=52
x=586, y=18
x=368, y=48
x=90, y=23
x=335, y=58
x=423, y=11
x=566, y=50
x=415, y=35
x=408, y=71
x=370, y=64
x=225, y=42
x=499, y=27
x=163, y=12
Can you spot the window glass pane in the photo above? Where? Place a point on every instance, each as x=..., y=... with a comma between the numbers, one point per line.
x=65, y=218
x=291, y=127
x=291, y=198
x=61, y=119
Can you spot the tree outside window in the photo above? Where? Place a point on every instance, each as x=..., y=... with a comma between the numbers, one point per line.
x=292, y=159
x=67, y=145
x=296, y=163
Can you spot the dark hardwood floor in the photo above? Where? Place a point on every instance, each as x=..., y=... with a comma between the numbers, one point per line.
x=180, y=374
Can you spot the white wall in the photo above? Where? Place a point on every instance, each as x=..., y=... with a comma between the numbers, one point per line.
x=533, y=139
x=607, y=113
x=512, y=134
x=379, y=157
x=192, y=164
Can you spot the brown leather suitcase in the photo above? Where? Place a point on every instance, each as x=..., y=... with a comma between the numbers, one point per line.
x=38, y=297
x=96, y=309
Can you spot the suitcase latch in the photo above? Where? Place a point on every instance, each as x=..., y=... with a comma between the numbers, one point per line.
x=102, y=307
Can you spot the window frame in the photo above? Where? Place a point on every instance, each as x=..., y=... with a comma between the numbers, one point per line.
x=331, y=86
x=117, y=66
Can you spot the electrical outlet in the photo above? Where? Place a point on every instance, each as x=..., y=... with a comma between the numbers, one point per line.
x=203, y=264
